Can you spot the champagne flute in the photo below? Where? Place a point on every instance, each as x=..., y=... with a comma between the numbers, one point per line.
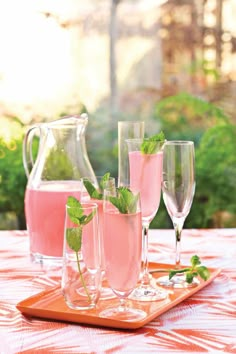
x=123, y=249
x=178, y=187
x=145, y=169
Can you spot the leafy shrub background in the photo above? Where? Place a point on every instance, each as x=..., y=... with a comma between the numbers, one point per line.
x=12, y=175
x=181, y=117
x=190, y=118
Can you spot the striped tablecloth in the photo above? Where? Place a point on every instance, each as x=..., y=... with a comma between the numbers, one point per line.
x=206, y=322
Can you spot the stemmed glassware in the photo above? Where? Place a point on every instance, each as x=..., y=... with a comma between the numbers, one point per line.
x=145, y=167
x=122, y=248
x=178, y=187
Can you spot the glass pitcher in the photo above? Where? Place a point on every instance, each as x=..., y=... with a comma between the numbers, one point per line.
x=53, y=175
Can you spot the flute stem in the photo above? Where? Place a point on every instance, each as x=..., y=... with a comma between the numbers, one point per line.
x=178, y=226
x=145, y=273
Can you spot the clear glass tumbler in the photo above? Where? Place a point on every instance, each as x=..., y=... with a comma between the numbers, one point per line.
x=126, y=130
x=81, y=272
x=93, y=192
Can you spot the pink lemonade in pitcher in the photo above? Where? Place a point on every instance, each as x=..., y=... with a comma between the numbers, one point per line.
x=122, y=248
x=146, y=176
x=45, y=215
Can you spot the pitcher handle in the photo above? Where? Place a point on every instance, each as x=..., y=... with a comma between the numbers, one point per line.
x=28, y=160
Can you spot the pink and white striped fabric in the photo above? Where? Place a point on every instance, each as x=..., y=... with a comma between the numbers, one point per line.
x=206, y=322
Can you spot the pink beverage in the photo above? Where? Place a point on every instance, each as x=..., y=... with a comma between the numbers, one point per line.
x=90, y=239
x=122, y=249
x=101, y=226
x=86, y=198
x=146, y=176
x=45, y=216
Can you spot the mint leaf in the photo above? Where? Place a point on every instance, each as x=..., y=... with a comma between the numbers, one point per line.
x=203, y=272
x=74, y=238
x=104, y=180
x=195, y=260
x=76, y=215
x=192, y=272
x=118, y=204
x=92, y=191
x=89, y=217
x=189, y=277
x=153, y=144
x=73, y=202
x=74, y=234
x=97, y=193
x=126, y=201
x=75, y=212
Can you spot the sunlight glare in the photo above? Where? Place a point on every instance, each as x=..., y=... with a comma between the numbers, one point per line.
x=35, y=51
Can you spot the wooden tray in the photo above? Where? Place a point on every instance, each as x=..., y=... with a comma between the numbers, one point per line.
x=50, y=304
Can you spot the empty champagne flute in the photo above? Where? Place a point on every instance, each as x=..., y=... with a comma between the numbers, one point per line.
x=178, y=187
x=145, y=167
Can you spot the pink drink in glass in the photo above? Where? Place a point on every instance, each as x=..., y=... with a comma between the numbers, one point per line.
x=86, y=198
x=45, y=216
x=101, y=226
x=122, y=248
x=146, y=176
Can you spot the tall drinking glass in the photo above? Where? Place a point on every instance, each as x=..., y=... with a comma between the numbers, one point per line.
x=126, y=130
x=146, y=176
x=81, y=271
x=122, y=247
x=93, y=191
x=178, y=188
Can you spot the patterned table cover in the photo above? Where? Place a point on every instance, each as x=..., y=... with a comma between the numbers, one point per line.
x=206, y=322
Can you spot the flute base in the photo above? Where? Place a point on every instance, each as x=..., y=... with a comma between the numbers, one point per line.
x=106, y=293
x=148, y=293
x=125, y=314
x=177, y=282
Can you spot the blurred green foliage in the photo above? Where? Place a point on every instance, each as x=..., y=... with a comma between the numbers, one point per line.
x=57, y=166
x=216, y=176
x=12, y=175
x=186, y=117
x=180, y=117
x=101, y=140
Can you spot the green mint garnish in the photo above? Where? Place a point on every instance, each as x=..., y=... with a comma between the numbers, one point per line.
x=74, y=234
x=126, y=201
x=96, y=193
x=193, y=271
x=153, y=144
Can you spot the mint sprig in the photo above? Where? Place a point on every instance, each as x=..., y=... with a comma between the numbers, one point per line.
x=92, y=191
x=74, y=234
x=126, y=201
x=195, y=270
x=153, y=144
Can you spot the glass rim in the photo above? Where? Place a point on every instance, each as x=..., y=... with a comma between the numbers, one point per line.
x=130, y=121
x=85, y=205
x=179, y=142
x=96, y=176
x=142, y=139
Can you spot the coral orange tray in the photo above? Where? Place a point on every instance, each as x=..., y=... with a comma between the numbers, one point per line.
x=50, y=304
